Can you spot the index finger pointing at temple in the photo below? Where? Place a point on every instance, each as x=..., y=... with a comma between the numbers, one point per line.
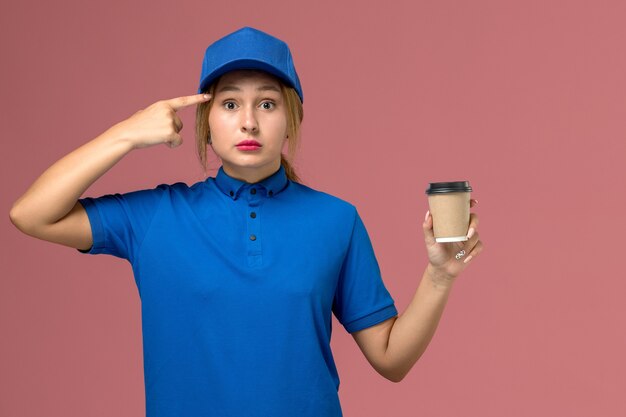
x=184, y=101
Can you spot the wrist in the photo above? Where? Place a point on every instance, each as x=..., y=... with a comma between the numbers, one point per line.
x=117, y=134
x=439, y=277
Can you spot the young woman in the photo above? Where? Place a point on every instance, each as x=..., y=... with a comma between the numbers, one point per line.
x=239, y=274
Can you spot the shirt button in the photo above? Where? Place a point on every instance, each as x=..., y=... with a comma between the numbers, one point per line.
x=253, y=191
x=252, y=237
x=271, y=193
x=253, y=215
x=232, y=193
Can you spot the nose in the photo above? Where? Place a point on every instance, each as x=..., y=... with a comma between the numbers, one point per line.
x=249, y=122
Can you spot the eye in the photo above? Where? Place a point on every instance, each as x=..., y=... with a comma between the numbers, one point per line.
x=269, y=104
x=226, y=103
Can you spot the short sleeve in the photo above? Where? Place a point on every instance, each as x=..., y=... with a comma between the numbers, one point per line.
x=361, y=299
x=119, y=222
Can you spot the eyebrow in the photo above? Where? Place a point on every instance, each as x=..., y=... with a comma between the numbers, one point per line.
x=265, y=87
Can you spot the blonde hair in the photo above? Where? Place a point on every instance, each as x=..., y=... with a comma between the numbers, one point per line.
x=295, y=114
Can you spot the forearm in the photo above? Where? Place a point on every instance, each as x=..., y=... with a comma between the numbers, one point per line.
x=413, y=330
x=56, y=191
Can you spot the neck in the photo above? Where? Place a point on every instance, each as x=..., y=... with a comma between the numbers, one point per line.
x=251, y=175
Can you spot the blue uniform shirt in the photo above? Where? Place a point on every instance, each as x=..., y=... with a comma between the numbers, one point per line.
x=237, y=284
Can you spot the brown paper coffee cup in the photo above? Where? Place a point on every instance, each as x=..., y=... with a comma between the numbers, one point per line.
x=449, y=204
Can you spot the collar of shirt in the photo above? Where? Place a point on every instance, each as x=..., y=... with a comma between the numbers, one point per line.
x=232, y=187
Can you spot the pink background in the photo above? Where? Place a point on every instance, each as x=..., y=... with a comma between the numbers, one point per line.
x=524, y=99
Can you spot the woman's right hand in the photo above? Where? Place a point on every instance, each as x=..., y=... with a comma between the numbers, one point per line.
x=157, y=123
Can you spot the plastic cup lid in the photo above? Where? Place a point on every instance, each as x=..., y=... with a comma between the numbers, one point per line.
x=448, y=187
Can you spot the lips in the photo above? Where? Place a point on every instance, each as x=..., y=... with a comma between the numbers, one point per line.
x=248, y=143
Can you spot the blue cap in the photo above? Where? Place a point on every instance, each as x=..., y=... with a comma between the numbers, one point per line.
x=249, y=48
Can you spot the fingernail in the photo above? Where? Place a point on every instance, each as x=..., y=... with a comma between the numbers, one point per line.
x=426, y=218
x=470, y=233
x=467, y=259
x=206, y=96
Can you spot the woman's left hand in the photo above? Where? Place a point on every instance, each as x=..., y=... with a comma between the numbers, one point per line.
x=442, y=256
